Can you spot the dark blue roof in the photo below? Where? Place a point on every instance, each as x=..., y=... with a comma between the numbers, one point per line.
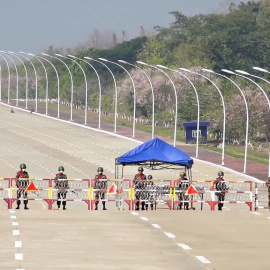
x=156, y=150
x=194, y=124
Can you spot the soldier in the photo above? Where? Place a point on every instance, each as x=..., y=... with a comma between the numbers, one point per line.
x=183, y=186
x=22, y=185
x=102, y=186
x=221, y=187
x=267, y=183
x=61, y=185
x=139, y=185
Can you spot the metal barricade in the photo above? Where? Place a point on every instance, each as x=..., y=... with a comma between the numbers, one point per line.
x=110, y=190
x=151, y=192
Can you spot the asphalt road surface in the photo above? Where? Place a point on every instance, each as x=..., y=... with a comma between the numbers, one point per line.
x=235, y=238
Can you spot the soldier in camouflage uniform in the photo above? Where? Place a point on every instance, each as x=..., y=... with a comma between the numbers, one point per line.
x=22, y=185
x=221, y=186
x=61, y=185
x=267, y=183
x=183, y=186
x=102, y=186
x=139, y=185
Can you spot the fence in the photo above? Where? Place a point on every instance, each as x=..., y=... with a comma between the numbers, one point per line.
x=156, y=193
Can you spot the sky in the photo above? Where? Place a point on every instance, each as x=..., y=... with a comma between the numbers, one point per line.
x=33, y=25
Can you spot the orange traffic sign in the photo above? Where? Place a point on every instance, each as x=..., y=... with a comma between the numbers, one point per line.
x=113, y=189
x=32, y=187
x=191, y=190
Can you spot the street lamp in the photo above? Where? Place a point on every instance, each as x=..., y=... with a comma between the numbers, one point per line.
x=17, y=77
x=46, y=76
x=224, y=110
x=71, y=79
x=8, y=75
x=198, y=107
x=153, y=98
x=245, y=101
x=26, y=77
x=134, y=101
x=115, y=86
x=58, y=84
x=176, y=102
x=35, y=75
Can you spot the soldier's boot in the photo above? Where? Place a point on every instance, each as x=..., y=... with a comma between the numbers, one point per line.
x=186, y=207
x=137, y=206
x=143, y=204
x=18, y=204
x=220, y=207
x=64, y=206
x=104, y=207
x=146, y=207
x=58, y=204
x=152, y=206
x=25, y=206
x=180, y=206
x=96, y=205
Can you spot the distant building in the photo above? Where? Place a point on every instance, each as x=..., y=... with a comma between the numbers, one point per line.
x=191, y=131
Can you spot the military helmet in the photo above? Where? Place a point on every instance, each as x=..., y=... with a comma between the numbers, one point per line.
x=100, y=170
x=61, y=168
x=220, y=173
x=140, y=169
x=182, y=174
x=149, y=177
x=23, y=166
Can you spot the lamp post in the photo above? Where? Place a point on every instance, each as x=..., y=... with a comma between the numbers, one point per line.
x=71, y=79
x=35, y=75
x=58, y=85
x=152, y=90
x=176, y=101
x=134, y=101
x=17, y=77
x=246, y=73
x=8, y=75
x=46, y=76
x=86, y=87
x=26, y=78
x=245, y=101
x=115, y=86
x=198, y=107
x=224, y=110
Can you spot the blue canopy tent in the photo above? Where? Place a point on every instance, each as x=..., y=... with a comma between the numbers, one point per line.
x=155, y=154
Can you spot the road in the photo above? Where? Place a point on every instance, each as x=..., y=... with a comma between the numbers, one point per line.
x=113, y=239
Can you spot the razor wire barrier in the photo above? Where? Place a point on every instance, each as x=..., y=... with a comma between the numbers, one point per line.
x=170, y=194
x=152, y=192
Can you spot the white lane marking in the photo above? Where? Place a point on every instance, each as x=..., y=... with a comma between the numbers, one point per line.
x=268, y=217
x=256, y=213
x=18, y=244
x=14, y=223
x=13, y=217
x=170, y=235
x=18, y=256
x=144, y=218
x=183, y=246
x=202, y=259
x=12, y=211
x=156, y=226
x=16, y=232
x=134, y=213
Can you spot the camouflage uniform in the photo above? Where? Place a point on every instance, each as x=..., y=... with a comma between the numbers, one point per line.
x=62, y=186
x=267, y=183
x=22, y=185
x=220, y=185
x=102, y=185
x=183, y=186
x=139, y=186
